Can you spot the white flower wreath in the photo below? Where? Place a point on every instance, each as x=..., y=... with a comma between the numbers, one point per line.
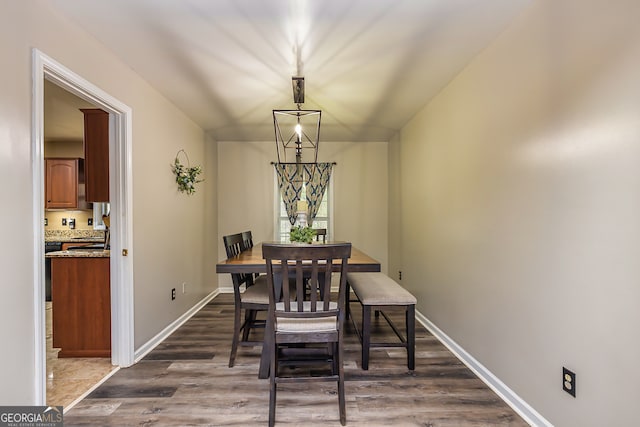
x=186, y=176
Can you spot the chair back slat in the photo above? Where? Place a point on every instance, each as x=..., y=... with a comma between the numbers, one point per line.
x=313, y=285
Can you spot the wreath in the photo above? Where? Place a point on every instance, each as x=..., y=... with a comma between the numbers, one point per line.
x=186, y=176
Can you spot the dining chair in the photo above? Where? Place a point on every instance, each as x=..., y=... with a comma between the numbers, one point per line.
x=317, y=322
x=247, y=240
x=255, y=298
x=321, y=232
x=247, y=243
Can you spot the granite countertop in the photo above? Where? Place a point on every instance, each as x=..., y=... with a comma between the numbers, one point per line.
x=82, y=253
x=63, y=239
x=79, y=236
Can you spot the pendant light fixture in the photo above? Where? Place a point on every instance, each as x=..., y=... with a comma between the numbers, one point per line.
x=297, y=131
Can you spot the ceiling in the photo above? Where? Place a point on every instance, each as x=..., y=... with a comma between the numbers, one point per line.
x=369, y=65
x=63, y=120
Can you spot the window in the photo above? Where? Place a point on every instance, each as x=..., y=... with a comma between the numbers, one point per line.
x=322, y=220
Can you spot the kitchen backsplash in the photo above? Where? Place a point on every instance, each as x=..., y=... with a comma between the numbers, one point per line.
x=54, y=220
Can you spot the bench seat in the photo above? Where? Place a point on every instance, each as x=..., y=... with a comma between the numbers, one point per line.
x=378, y=291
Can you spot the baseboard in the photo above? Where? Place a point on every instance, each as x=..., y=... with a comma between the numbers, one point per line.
x=523, y=409
x=171, y=328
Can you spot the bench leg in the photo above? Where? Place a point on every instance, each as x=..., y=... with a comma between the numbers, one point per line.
x=411, y=337
x=366, y=335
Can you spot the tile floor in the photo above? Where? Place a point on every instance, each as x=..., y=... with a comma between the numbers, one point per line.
x=70, y=378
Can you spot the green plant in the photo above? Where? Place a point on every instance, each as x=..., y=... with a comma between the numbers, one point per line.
x=186, y=176
x=302, y=234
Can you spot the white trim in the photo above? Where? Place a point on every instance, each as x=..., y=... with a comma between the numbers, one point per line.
x=120, y=150
x=37, y=172
x=172, y=327
x=331, y=230
x=523, y=409
x=276, y=206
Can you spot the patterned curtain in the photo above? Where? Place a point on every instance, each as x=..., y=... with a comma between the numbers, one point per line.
x=318, y=176
x=290, y=181
x=292, y=177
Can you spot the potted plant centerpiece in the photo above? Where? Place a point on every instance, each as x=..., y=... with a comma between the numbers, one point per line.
x=301, y=234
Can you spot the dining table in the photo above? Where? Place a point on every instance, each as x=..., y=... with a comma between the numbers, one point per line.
x=251, y=261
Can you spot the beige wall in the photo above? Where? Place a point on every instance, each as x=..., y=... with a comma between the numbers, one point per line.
x=246, y=193
x=64, y=149
x=211, y=214
x=168, y=237
x=520, y=206
x=395, y=209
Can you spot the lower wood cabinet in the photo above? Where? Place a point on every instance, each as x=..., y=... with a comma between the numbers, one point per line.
x=81, y=298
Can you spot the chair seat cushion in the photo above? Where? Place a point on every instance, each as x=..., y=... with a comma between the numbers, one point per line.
x=379, y=289
x=258, y=293
x=320, y=324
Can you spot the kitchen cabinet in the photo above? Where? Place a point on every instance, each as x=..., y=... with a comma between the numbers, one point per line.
x=81, y=305
x=96, y=154
x=61, y=184
x=64, y=184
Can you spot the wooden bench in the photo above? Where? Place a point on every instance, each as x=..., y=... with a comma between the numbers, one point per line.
x=378, y=291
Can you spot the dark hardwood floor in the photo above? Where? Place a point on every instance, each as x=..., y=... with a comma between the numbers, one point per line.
x=186, y=381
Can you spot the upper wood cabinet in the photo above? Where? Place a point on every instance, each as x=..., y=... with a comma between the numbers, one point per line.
x=64, y=184
x=61, y=184
x=96, y=154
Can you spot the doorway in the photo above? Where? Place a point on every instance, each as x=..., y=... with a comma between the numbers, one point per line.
x=69, y=378
x=121, y=269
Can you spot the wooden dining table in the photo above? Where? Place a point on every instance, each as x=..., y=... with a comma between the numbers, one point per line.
x=251, y=261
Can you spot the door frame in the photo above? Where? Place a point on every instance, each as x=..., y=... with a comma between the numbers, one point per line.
x=120, y=196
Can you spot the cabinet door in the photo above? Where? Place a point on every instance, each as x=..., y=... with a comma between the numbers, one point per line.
x=81, y=295
x=61, y=184
x=96, y=155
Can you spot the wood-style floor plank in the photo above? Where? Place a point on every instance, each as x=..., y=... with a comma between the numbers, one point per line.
x=186, y=381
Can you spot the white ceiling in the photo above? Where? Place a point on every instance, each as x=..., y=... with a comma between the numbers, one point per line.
x=63, y=120
x=369, y=65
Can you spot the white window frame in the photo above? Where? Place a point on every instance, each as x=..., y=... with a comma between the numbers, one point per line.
x=277, y=201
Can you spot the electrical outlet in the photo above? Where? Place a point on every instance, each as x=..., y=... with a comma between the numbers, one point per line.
x=184, y=287
x=46, y=222
x=64, y=221
x=569, y=381
x=399, y=274
x=173, y=294
x=90, y=221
